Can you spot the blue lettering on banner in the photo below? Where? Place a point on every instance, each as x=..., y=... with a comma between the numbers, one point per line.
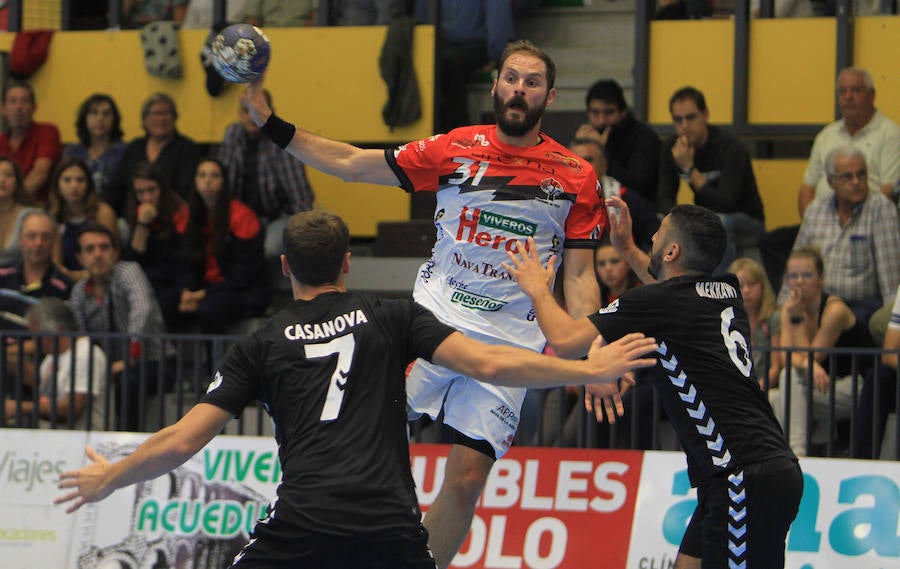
x=853, y=532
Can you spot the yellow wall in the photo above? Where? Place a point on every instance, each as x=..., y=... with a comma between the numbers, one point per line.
x=696, y=53
x=792, y=66
x=791, y=71
x=326, y=80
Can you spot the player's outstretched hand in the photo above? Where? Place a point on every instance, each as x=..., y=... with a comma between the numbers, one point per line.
x=254, y=101
x=604, y=398
x=619, y=223
x=533, y=278
x=89, y=483
x=631, y=351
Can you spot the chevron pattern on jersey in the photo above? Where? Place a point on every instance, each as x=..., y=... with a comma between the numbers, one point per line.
x=695, y=408
x=737, y=521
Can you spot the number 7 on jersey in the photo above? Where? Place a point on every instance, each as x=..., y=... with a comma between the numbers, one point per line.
x=343, y=347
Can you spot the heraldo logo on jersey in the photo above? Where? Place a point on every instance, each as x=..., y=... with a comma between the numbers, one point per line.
x=471, y=220
x=476, y=301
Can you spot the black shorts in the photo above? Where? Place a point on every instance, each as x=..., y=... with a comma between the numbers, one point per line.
x=269, y=548
x=742, y=517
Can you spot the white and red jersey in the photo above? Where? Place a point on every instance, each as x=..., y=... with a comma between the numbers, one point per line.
x=489, y=195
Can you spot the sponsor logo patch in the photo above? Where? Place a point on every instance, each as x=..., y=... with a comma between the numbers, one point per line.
x=476, y=301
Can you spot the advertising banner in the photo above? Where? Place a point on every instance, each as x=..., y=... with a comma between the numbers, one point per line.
x=542, y=508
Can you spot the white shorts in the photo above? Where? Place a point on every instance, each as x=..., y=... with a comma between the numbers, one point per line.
x=477, y=410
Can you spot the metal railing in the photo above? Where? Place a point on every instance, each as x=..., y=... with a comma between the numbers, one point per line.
x=147, y=395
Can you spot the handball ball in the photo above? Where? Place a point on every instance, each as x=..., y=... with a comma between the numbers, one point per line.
x=240, y=53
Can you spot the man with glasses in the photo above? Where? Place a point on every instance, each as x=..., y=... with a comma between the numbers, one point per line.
x=716, y=168
x=858, y=234
x=631, y=147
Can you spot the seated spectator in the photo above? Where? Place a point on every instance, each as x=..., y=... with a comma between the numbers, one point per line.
x=631, y=147
x=117, y=297
x=139, y=13
x=281, y=13
x=34, y=146
x=861, y=126
x=367, y=12
x=64, y=400
x=33, y=277
x=226, y=280
x=473, y=35
x=717, y=169
x=174, y=154
x=858, y=232
x=74, y=202
x=871, y=411
x=15, y=204
x=100, y=142
x=263, y=176
x=158, y=219
x=765, y=320
x=645, y=222
x=200, y=16
x=813, y=318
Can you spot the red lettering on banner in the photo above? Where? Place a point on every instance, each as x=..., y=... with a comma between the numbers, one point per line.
x=544, y=508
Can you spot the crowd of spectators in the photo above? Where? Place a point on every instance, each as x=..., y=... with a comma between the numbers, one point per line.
x=149, y=237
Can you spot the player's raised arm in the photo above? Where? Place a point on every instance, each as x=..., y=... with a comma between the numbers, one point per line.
x=159, y=454
x=566, y=335
x=347, y=162
x=517, y=367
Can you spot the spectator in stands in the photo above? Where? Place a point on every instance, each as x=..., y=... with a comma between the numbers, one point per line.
x=281, y=13
x=157, y=218
x=224, y=248
x=264, y=177
x=872, y=410
x=645, y=221
x=368, y=12
x=632, y=147
x=35, y=275
x=100, y=141
x=717, y=169
x=862, y=126
x=199, y=14
x=64, y=400
x=117, y=297
x=813, y=318
x=765, y=320
x=174, y=154
x=15, y=204
x=473, y=35
x=858, y=233
x=74, y=202
x=138, y=13
x=34, y=146
x=683, y=9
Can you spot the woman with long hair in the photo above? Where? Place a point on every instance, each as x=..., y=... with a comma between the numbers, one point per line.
x=15, y=203
x=224, y=248
x=157, y=218
x=100, y=143
x=762, y=310
x=74, y=202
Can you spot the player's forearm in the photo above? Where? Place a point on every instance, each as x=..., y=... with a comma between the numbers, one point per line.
x=159, y=454
x=514, y=367
x=557, y=326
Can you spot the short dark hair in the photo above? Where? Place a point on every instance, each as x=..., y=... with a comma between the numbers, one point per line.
x=315, y=243
x=19, y=85
x=531, y=49
x=812, y=253
x=81, y=121
x=701, y=234
x=608, y=91
x=96, y=227
x=590, y=142
x=691, y=93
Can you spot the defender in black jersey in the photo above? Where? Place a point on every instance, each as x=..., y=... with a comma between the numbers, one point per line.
x=748, y=481
x=330, y=370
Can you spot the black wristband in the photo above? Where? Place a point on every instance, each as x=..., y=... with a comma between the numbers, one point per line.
x=279, y=131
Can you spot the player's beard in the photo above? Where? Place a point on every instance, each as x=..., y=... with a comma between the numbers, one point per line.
x=655, y=266
x=521, y=127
